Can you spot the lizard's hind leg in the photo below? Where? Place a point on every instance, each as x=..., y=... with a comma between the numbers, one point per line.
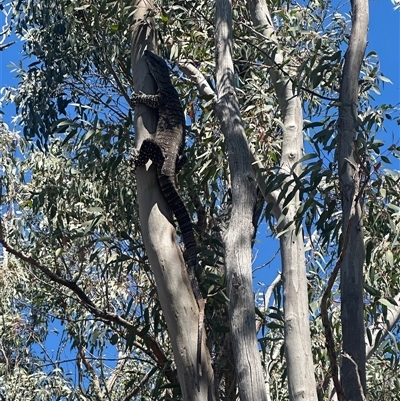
x=149, y=150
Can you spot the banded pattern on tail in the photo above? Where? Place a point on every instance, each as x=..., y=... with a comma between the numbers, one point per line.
x=150, y=150
x=165, y=150
x=185, y=224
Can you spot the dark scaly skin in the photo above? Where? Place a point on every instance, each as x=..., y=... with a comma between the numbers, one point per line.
x=166, y=151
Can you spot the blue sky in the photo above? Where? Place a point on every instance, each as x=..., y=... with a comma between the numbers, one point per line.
x=384, y=38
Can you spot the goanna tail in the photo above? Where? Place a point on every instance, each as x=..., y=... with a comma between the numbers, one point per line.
x=182, y=216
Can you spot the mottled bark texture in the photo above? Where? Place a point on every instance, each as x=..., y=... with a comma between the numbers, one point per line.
x=238, y=237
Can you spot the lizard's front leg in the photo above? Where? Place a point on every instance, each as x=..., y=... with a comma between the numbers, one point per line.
x=153, y=101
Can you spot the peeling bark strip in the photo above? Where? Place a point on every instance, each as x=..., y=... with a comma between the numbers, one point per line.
x=165, y=150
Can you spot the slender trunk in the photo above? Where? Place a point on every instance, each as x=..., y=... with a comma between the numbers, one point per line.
x=238, y=237
x=352, y=311
x=298, y=352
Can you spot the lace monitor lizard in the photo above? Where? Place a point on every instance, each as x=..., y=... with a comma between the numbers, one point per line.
x=165, y=150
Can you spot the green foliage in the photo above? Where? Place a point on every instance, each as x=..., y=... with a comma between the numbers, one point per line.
x=81, y=63
x=74, y=211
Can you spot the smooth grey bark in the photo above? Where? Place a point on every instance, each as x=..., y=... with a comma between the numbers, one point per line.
x=242, y=314
x=238, y=236
x=352, y=307
x=298, y=352
x=159, y=236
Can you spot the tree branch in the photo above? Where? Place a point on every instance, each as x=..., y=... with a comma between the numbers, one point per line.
x=382, y=327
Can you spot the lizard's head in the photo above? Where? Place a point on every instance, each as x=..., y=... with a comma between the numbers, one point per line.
x=158, y=67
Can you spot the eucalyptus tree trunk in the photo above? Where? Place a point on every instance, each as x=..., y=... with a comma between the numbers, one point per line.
x=298, y=352
x=352, y=310
x=159, y=235
x=238, y=237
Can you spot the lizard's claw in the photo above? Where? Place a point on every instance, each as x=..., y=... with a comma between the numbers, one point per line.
x=134, y=101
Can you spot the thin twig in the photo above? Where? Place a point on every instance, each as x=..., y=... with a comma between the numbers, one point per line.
x=346, y=355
